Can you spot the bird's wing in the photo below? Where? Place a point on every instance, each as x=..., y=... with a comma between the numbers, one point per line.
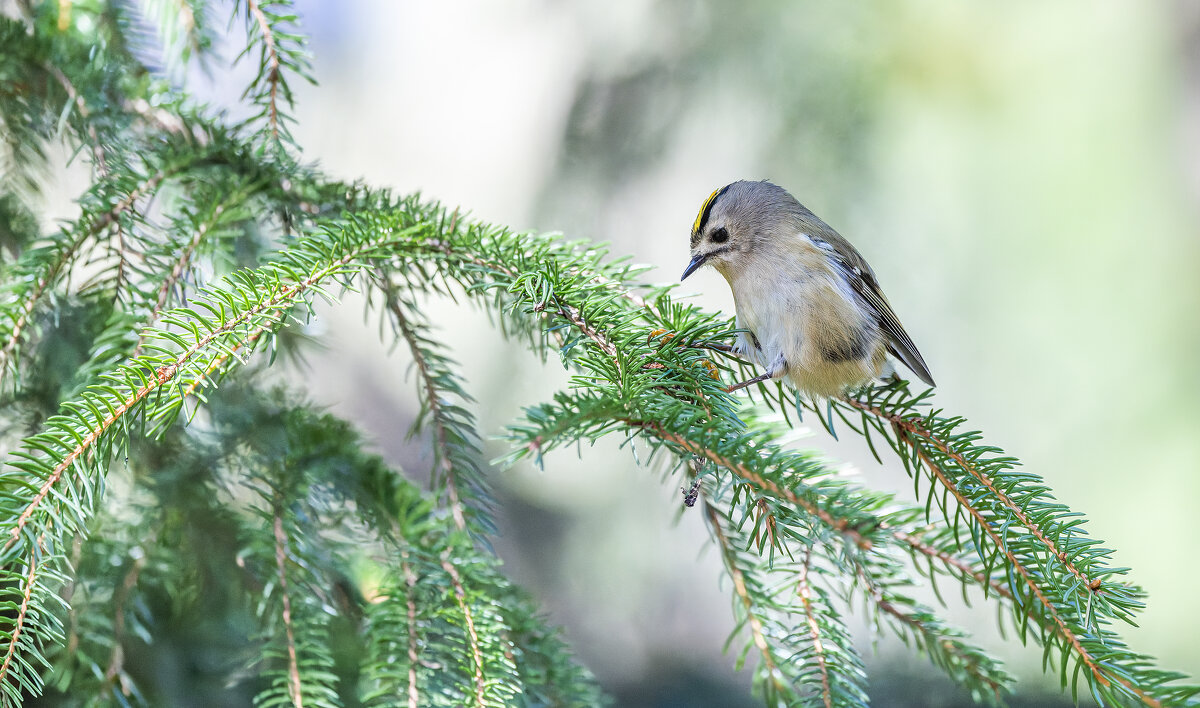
x=862, y=280
x=899, y=343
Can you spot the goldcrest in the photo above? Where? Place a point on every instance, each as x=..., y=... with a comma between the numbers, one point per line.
x=810, y=307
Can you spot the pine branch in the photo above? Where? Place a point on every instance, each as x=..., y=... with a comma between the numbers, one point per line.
x=805, y=592
x=460, y=595
x=332, y=535
x=758, y=633
x=410, y=579
x=98, y=159
x=453, y=428
x=281, y=50
x=797, y=668
x=271, y=55
x=293, y=668
x=912, y=427
x=35, y=621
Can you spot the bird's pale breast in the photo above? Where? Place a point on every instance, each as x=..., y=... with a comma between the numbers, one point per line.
x=800, y=307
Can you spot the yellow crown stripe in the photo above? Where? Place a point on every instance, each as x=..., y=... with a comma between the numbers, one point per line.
x=704, y=209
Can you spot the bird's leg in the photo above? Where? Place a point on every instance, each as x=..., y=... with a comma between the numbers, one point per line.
x=718, y=347
x=777, y=370
x=749, y=382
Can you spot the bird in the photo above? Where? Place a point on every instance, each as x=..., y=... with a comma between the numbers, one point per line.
x=808, y=306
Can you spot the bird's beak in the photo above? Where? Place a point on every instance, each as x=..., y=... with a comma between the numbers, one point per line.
x=696, y=263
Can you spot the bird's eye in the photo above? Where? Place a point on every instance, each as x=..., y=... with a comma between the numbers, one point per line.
x=720, y=235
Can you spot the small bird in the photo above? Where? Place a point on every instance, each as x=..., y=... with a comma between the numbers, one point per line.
x=810, y=306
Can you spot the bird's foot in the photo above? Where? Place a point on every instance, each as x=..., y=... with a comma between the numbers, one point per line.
x=777, y=370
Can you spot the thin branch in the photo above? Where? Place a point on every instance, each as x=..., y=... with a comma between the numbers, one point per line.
x=188, y=18
x=804, y=590
x=410, y=579
x=22, y=615
x=842, y=526
x=162, y=119
x=460, y=594
x=85, y=114
x=951, y=560
x=272, y=54
x=757, y=631
x=181, y=265
x=165, y=374
x=970, y=665
x=68, y=591
x=221, y=359
x=1059, y=625
x=572, y=315
x=98, y=159
x=294, y=689
x=912, y=427
x=445, y=249
x=435, y=410
x=120, y=597
x=43, y=283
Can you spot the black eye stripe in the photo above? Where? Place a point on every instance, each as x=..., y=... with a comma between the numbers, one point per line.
x=719, y=235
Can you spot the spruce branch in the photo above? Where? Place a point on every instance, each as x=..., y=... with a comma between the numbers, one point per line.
x=805, y=591
x=35, y=620
x=40, y=269
x=965, y=568
x=97, y=147
x=967, y=665
x=333, y=535
x=269, y=25
x=410, y=580
x=28, y=585
x=758, y=634
x=796, y=666
x=455, y=449
x=295, y=691
x=460, y=594
x=271, y=70
x=907, y=428
x=848, y=526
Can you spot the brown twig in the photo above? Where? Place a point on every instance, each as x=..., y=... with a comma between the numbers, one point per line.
x=43, y=283
x=22, y=615
x=757, y=631
x=804, y=590
x=410, y=579
x=281, y=540
x=460, y=594
x=912, y=427
x=272, y=54
x=435, y=409
x=842, y=526
x=1027, y=576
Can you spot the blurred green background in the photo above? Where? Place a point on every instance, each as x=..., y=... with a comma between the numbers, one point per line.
x=1023, y=176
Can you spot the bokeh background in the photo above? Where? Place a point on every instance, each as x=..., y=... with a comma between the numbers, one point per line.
x=1023, y=176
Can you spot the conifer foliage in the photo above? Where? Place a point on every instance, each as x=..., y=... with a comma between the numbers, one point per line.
x=152, y=475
